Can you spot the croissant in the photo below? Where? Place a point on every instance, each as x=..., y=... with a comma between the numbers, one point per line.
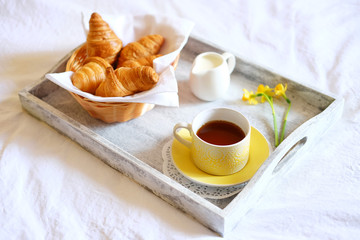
x=90, y=75
x=145, y=46
x=101, y=40
x=77, y=59
x=126, y=81
x=111, y=87
x=144, y=61
x=137, y=79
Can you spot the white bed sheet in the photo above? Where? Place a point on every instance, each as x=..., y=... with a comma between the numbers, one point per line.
x=51, y=188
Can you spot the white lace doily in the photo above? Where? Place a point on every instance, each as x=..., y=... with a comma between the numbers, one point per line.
x=205, y=191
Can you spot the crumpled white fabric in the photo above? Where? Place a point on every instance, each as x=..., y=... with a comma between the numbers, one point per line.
x=130, y=28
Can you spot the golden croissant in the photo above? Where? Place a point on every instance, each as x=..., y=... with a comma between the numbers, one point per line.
x=126, y=81
x=137, y=79
x=111, y=87
x=77, y=59
x=101, y=40
x=145, y=46
x=144, y=61
x=90, y=75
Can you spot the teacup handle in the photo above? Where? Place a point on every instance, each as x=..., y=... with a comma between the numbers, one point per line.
x=185, y=125
x=230, y=60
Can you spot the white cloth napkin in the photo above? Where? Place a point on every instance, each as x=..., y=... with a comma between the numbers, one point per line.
x=129, y=29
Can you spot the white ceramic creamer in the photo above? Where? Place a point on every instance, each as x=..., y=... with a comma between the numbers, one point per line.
x=210, y=75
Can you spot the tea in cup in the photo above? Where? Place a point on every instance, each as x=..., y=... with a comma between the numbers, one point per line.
x=220, y=140
x=210, y=75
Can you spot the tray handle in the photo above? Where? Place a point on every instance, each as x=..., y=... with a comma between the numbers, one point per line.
x=293, y=150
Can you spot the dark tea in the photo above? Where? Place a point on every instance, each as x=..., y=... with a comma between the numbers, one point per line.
x=220, y=132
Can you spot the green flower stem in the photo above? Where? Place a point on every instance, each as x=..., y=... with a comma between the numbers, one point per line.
x=285, y=118
x=269, y=99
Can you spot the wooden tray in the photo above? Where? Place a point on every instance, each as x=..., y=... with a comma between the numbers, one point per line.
x=135, y=147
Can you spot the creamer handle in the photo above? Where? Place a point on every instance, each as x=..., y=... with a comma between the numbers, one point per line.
x=230, y=60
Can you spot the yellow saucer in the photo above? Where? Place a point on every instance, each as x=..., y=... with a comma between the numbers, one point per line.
x=259, y=152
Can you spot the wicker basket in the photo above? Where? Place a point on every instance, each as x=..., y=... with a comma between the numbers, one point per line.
x=107, y=111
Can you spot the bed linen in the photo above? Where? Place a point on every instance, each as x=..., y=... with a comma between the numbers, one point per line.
x=51, y=188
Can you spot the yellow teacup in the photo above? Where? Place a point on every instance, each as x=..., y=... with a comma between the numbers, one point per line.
x=218, y=147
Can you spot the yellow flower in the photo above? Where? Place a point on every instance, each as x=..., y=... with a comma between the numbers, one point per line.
x=265, y=90
x=246, y=95
x=280, y=90
x=249, y=96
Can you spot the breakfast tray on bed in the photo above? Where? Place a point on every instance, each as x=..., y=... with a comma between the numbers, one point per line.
x=135, y=147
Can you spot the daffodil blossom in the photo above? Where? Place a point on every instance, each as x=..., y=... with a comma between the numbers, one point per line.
x=280, y=89
x=249, y=96
x=266, y=90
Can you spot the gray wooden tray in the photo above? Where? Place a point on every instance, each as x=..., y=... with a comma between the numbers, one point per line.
x=134, y=148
